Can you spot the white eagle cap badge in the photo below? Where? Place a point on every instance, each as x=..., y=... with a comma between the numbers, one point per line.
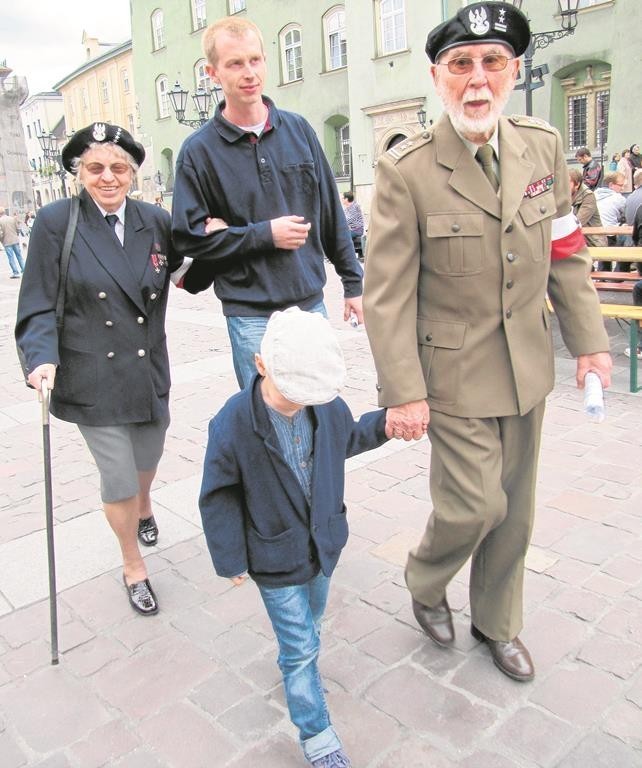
x=99, y=132
x=479, y=23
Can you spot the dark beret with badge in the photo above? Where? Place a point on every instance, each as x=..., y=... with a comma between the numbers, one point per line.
x=101, y=133
x=481, y=23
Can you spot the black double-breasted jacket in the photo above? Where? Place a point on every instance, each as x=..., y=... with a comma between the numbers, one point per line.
x=111, y=353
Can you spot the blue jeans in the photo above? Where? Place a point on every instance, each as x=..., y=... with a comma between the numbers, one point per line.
x=14, y=255
x=245, y=335
x=296, y=613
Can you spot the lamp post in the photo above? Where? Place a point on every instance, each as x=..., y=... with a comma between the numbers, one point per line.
x=49, y=145
x=534, y=76
x=202, y=99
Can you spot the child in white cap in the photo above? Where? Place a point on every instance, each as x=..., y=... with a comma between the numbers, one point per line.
x=272, y=500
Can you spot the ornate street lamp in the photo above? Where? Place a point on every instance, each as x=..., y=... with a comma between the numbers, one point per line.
x=49, y=145
x=421, y=117
x=202, y=99
x=534, y=76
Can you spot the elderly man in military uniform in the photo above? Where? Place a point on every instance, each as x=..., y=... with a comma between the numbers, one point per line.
x=471, y=226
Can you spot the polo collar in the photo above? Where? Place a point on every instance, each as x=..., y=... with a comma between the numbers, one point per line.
x=233, y=133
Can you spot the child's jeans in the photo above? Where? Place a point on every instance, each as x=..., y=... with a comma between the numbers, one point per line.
x=296, y=613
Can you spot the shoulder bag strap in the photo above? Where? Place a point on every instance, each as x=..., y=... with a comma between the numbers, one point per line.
x=64, y=259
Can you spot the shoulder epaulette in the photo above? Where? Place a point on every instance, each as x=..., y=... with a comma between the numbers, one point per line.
x=409, y=145
x=531, y=122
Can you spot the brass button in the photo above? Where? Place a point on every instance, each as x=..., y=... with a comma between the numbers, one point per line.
x=509, y=314
x=141, y=353
x=102, y=295
x=509, y=228
x=110, y=355
x=510, y=257
x=509, y=284
x=429, y=337
x=542, y=209
x=152, y=296
x=108, y=323
x=140, y=320
x=455, y=227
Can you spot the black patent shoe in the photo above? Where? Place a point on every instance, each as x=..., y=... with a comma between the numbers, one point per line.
x=141, y=597
x=147, y=531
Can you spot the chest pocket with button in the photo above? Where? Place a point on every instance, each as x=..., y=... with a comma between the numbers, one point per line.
x=537, y=214
x=454, y=244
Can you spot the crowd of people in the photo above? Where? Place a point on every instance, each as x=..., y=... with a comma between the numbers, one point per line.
x=471, y=226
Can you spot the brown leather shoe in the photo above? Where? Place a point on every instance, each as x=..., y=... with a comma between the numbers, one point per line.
x=511, y=657
x=436, y=622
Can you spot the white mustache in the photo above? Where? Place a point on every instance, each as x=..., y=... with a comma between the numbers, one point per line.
x=479, y=94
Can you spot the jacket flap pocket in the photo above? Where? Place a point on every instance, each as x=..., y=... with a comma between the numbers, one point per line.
x=455, y=224
x=538, y=209
x=438, y=333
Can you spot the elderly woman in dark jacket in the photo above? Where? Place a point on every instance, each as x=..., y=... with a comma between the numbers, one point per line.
x=109, y=360
x=584, y=207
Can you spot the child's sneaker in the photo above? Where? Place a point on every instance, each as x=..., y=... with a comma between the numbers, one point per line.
x=337, y=759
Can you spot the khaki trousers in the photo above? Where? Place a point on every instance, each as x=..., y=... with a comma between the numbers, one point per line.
x=482, y=483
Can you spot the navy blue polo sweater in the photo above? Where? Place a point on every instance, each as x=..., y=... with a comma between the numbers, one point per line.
x=225, y=172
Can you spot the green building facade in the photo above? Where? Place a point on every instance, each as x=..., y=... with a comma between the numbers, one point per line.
x=358, y=72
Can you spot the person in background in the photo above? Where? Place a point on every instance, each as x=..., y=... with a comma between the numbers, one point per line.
x=624, y=166
x=635, y=158
x=107, y=367
x=272, y=500
x=591, y=169
x=585, y=207
x=256, y=198
x=354, y=217
x=610, y=204
x=614, y=161
x=470, y=227
x=10, y=239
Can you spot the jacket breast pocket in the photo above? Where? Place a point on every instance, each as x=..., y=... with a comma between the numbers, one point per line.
x=440, y=344
x=301, y=175
x=455, y=242
x=537, y=214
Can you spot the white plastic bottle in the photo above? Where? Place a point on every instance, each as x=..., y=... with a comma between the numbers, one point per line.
x=594, y=398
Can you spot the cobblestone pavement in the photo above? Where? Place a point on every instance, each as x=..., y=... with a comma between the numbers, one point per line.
x=197, y=685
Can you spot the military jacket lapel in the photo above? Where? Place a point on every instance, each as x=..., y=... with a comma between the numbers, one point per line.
x=516, y=171
x=139, y=244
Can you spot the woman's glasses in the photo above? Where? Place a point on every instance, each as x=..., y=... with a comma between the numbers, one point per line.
x=463, y=65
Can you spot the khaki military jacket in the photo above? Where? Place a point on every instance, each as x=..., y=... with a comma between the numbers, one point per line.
x=456, y=276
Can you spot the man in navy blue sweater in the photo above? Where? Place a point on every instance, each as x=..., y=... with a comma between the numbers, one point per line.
x=254, y=196
x=272, y=500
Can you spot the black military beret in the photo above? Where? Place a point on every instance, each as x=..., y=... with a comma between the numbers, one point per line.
x=481, y=23
x=101, y=133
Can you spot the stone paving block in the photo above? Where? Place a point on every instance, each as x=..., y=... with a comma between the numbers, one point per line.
x=538, y=589
x=580, y=602
x=624, y=721
x=398, y=466
x=412, y=751
x=251, y=719
x=624, y=621
x=30, y=623
x=597, y=750
x=88, y=658
x=534, y=736
x=585, y=505
x=237, y=604
x=278, y=751
x=73, y=634
x=395, y=549
x=349, y=668
x=180, y=552
x=397, y=505
x=418, y=488
x=634, y=693
x=419, y=703
x=579, y=694
x=240, y=645
x=612, y=655
x=373, y=526
x=593, y=543
x=141, y=758
x=200, y=627
x=54, y=761
x=392, y=642
x=539, y=560
x=570, y=571
x=551, y=637
x=606, y=585
x=138, y=630
x=50, y=709
x=263, y=673
x=361, y=575
x=198, y=568
x=12, y=755
x=174, y=593
x=436, y=661
x=20, y=662
x=200, y=739
x=488, y=760
x=387, y=597
x=105, y=745
x=354, y=622
x=478, y=676
x=625, y=568
x=220, y=691
x=163, y=670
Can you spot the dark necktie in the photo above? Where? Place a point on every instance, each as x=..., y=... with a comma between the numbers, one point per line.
x=484, y=156
x=111, y=220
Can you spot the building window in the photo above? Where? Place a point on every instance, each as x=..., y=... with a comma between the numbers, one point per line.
x=340, y=153
x=587, y=92
x=162, y=98
x=199, y=14
x=602, y=102
x=125, y=74
x=28, y=131
x=577, y=133
x=158, y=30
x=201, y=78
x=392, y=24
x=292, y=55
x=130, y=122
x=237, y=5
x=335, y=38
x=104, y=91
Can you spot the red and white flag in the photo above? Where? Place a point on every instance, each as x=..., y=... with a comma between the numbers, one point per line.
x=566, y=237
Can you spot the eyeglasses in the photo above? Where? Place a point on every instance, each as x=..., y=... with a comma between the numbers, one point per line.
x=118, y=169
x=463, y=65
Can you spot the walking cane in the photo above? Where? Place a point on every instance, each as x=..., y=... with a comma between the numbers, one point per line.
x=53, y=607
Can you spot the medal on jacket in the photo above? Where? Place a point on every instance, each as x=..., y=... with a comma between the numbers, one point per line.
x=159, y=260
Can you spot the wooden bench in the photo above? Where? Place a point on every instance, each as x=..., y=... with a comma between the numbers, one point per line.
x=610, y=281
x=634, y=316
x=625, y=229
x=598, y=253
